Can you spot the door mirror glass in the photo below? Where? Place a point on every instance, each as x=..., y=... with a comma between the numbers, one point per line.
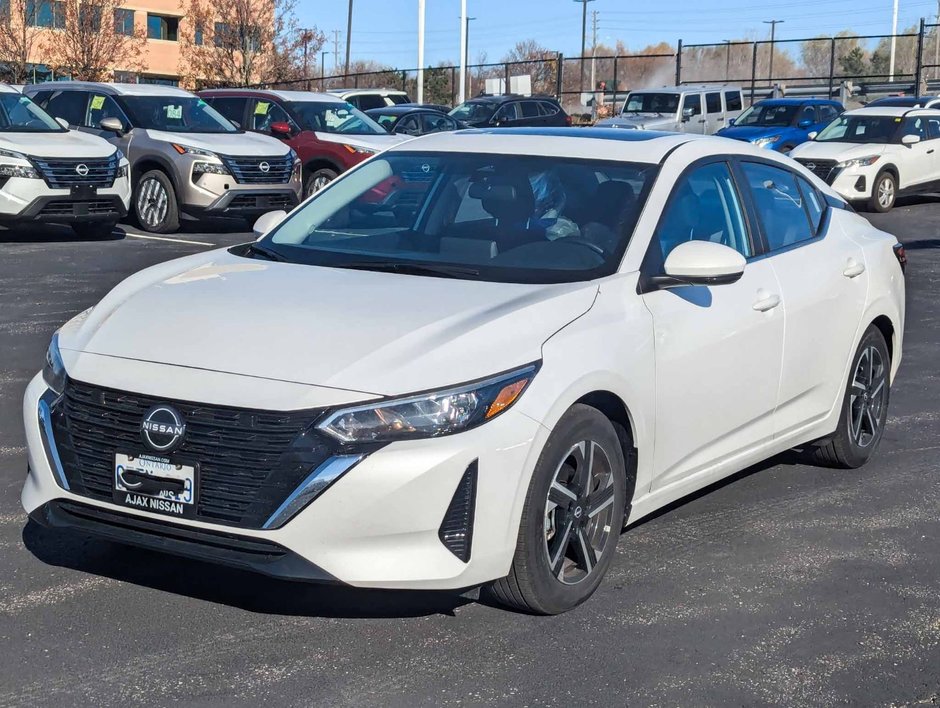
x=812, y=135
x=267, y=222
x=805, y=123
x=687, y=113
x=281, y=129
x=910, y=139
x=113, y=125
x=64, y=123
x=704, y=263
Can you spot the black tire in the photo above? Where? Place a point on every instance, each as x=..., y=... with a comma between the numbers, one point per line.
x=593, y=515
x=155, y=204
x=318, y=179
x=864, y=407
x=95, y=230
x=882, y=203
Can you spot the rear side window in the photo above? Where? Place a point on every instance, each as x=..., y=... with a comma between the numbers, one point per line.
x=779, y=204
x=264, y=114
x=68, y=105
x=530, y=109
x=733, y=100
x=713, y=102
x=232, y=107
x=547, y=109
x=398, y=99
x=367, y=102
x=693, y=101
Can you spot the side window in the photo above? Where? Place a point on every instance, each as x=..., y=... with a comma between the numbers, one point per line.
x=733, y=101
x=530, y=109
x=547, y=109
x=814, y=204
x=69, y=105
x=509, y=111
x=101, y=107
x=713, y=102
x=828, y=113
x=809, y=113
x=367, y=102
x=693, y=101
x=408, y=125
x=704, y=206
x=933, y=128
x=779, y=205
x=435, y=123
x=232, y=107
x=265, y=113
x=916, y=126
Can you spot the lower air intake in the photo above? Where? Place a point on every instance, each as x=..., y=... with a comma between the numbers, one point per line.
x=456, y=532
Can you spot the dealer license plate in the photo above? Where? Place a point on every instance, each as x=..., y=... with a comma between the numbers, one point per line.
x=155, y=484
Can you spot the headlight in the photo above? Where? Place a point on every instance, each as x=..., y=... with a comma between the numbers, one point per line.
x=431, y=414
x=53, y=373
x=764, y=142
x=355, y=149
x=122, y=170
x=211, y=168
x=858, y=162
x=13, y=170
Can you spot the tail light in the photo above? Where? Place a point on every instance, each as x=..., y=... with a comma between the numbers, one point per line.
x=568, y=121
x=901, y=255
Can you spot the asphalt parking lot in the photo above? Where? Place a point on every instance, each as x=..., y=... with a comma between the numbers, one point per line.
x=788, y=584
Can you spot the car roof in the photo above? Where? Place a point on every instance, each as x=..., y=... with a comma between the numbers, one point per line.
x=910, y=101
x=299, y=96
x=688, y=87
x=399, y=110
x=499, y=98
x=891, y=111
x=359, y=92
x=796, y=102
x=112, y=89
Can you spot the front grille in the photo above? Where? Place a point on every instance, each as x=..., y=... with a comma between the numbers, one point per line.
x=456, y=531
x=251, y=170
x=262, y=202
x=248, y=461
x=63, y=174
x=824, y=169
x=69, y=207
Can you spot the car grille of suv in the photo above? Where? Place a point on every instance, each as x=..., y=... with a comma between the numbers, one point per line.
x=248, y=461
x=824, y=169
x=260, y=170
x=68, y=207
x=264, y=202
x=63, y=174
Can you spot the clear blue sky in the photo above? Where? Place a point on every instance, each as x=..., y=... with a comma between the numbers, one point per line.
x=386, y=30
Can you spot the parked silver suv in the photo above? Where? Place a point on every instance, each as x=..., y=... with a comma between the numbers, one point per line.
x=187, y=161
x=685, y=109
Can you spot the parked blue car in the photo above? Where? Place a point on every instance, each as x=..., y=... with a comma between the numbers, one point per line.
x=782, y=123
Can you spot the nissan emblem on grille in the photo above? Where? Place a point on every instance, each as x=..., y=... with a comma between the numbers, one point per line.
x=162, y=428
x=82, y=169
x=264, y=167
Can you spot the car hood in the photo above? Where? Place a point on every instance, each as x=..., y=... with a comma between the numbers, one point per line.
x=370, y=332
x=749, y=133
x=235, y=144
x=71, y=144
x=371, y=142
x=835, y=151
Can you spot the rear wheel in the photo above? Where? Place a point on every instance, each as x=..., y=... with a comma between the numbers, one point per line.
x=155, y=203
x=571, y=521
x=864, y=407
x=94, y=229
x=317, y=180
x=883, y=193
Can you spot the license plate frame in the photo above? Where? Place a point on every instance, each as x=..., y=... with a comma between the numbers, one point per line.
x=155, y=484
x=83, y=191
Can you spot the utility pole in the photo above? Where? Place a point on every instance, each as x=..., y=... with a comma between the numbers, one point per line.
x=421, y=12
x=464, y=22
x=773, y=27
x=728, y=57
x=936, y=45
x=323, y=69
x=335, y=49
x=894, y=41
x=348, y=35
x=594, y=62
x=466, y=61
x=583, y=37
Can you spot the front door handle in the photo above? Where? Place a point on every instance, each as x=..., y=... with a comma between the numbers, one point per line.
x=766, y=302
x=853, y=269
x=930, y=151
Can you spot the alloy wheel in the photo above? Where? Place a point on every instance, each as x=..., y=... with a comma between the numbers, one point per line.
x=886, y=192
x=152, y=202
x=316, y=184
x=867, y=397
x=579, y=512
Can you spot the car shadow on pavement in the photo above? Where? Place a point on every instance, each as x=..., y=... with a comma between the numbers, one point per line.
x=229, y=586
x=49, y=233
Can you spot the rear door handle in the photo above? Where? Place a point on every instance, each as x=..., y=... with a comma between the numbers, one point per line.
x=853, y=269
x=766, y=302
x=930, y=151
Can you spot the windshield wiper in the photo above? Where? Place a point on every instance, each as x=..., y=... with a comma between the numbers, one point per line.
x=265, y=252
x=433, y=269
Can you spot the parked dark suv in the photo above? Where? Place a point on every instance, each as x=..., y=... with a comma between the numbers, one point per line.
x=511, y=111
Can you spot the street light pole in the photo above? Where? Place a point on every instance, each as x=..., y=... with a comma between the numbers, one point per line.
x=323, y=69
x=773, y=27
x=894, y=41
x=583, y=37
x=728, y=57
x=464, y=22
x=421, y=9
x=466, y=58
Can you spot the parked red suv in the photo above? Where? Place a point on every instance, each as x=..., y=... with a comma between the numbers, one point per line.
x=328, y=134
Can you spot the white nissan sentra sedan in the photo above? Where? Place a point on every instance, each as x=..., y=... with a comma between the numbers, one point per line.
x=471, y=361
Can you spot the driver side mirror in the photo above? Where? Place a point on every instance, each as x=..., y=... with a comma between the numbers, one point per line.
x=281, y=129
x=731, y=121
x=112, y=125
x=804, y=124
x=703, y=263
x=812, y=135
x=64, y=123
x=267, y=222
x=910, y=140
x=687, y=114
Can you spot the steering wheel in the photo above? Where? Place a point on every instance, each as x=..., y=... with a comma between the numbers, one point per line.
x=579, y=241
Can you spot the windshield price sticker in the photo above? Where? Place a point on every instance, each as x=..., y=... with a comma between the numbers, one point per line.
x=261, y=108
x=174, y=112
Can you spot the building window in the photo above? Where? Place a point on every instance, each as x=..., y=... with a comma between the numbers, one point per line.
x=89, y=18
x=159, y=80
x=244, y=37
x=125, y=77
x=163, y=27
x=197, y=36
x=45, y=13
x=124, y=21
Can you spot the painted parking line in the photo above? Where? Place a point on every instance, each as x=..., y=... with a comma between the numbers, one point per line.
x=163, y=238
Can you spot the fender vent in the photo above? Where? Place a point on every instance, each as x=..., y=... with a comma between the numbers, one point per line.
x=456, y=532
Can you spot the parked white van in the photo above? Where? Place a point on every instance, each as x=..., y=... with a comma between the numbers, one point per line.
x=684, y=109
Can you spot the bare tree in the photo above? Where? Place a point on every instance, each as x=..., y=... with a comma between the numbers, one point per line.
x=97, y=39
x=541, y=63
x=244, y=42
x=19, y=37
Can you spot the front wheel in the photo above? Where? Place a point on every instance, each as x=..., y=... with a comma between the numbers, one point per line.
x=571, y=521
x=864, y=406
x=155, y=203
x=318, y=180
x=884, y=192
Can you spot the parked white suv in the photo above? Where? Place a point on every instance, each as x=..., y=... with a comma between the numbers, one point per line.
x=873, y=155
x=51, y=174
x=684, y=109
x=472, y=360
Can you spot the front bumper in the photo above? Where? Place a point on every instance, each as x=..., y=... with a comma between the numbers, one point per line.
x=31, y=200
x=855, y=183
x=210, y=195
x=380, y=525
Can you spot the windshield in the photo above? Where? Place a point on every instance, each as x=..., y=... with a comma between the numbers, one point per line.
x=18, y=114
x=474, y=111
x=860, y=129
x=179, y=114
x=651, y=103
x=336, y=117
x=505, y=218
x=768, y=116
